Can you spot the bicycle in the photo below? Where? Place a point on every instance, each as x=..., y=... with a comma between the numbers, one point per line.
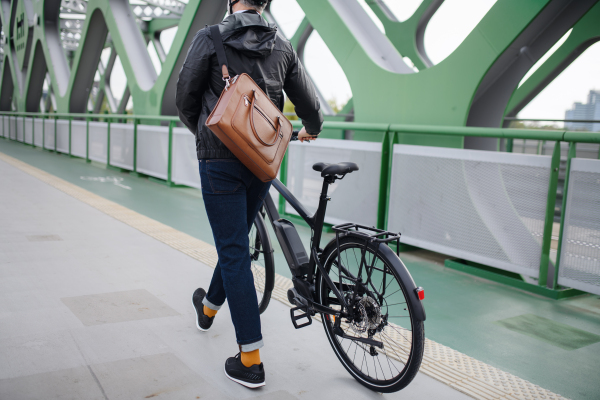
x=367, y=299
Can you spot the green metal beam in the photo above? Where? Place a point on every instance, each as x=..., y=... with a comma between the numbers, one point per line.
x=585, y=33
x=440, y=95
x=407, y=36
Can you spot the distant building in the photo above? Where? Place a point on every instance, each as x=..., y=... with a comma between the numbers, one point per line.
x=589, y=111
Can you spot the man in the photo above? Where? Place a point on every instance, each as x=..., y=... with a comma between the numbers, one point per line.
x=232, y=194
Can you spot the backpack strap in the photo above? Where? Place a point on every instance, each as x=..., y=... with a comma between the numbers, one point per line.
x=221, y=57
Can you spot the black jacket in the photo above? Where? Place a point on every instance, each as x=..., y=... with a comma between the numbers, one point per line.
x=252, y=46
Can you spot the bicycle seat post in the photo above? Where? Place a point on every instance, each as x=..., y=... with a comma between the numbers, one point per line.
x=319, y=220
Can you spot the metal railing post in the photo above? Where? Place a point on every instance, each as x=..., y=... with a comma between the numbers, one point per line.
x=24, y=134
x=385, y=172
x=509, y=145
x=393, y=139
x=549, y=219
x=571, y=154
x=87, y=139
x=43, y=133
x=135, y=132
x=108, y=120
x=33, y=131
x=170, y=158
x=55, y=134
x=70, y=120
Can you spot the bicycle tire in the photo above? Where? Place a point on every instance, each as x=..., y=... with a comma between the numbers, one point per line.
x=263, y=263
x=412, y=359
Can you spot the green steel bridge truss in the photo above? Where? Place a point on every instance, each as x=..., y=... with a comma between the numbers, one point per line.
x=51, y=58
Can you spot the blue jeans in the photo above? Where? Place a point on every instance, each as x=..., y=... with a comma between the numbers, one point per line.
x=232, y=197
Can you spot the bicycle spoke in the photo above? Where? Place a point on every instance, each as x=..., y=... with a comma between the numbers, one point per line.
x=365, y=350
x=389, y=338
x=393, y=293
x=399, y=333
x=395, y=304
x=386, y=335
x=380, y=367
x=390, y=365
x=363, y=360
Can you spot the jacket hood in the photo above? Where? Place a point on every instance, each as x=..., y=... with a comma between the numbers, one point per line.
x=249, y=34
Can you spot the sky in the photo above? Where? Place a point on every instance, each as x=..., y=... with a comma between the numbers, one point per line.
x=448, y=27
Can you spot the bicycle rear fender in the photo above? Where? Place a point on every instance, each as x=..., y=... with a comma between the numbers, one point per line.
x=409, y=283
x=411, y=288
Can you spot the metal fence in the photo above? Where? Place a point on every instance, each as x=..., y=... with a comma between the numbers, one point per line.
x=492, y=208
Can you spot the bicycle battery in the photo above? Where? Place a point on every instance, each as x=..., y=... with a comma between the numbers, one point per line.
x=292, y=246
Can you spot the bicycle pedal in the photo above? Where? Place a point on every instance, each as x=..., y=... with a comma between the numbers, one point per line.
x=305, y=314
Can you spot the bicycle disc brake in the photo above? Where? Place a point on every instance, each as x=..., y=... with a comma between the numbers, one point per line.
x=360, y=322
x=373, y=311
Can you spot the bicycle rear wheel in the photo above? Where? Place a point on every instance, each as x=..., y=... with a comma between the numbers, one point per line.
x=382, y=313
x=262, y=262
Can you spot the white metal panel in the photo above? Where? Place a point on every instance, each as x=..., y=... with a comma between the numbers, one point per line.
x=13, y=128
x=49, y=134
x=152, y=150
x=62, y=136
x=353, y=199
x=38, y=129
x=5, y=127
x=20, y=130
x=98, y=141
x=579, y=266
x=121, y=145
x=185, y=160
x=78, y=138
x=486, y=207
x=29, y=130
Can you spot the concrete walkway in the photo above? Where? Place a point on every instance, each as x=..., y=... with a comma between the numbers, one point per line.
x=91, y=308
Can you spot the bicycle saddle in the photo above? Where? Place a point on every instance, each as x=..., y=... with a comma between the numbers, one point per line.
x=342, y=168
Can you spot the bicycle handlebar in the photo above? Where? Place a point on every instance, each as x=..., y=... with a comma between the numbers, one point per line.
x=295, y=136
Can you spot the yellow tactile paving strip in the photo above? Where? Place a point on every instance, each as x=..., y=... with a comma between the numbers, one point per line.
x=457, y=370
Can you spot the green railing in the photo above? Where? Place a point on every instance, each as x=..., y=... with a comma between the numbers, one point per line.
x=108, y=118
x=392, y=134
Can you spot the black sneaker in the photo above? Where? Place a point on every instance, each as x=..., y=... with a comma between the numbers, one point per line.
x=203, y=322
x=252, y=377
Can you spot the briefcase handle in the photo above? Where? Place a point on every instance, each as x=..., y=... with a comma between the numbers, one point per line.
x=279, y=134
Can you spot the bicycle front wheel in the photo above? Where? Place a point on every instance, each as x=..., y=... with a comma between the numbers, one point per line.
x=262, y=262
x=381, y=313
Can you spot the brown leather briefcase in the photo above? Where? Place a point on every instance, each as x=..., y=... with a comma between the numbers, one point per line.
x=248, y=122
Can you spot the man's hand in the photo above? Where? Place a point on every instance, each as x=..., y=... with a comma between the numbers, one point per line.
x=303, y=136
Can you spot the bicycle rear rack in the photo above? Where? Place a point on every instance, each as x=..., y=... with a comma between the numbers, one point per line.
x=368, y=233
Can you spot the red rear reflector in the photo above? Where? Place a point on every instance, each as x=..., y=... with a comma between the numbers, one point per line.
x=421, y=293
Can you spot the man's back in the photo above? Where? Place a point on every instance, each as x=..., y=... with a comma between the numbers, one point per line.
x=254, y=47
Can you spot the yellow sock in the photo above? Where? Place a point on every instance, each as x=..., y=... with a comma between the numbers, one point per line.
x=209, y=313
x=250, y=358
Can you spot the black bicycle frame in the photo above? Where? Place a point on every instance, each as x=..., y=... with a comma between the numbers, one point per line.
x=315, y=222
